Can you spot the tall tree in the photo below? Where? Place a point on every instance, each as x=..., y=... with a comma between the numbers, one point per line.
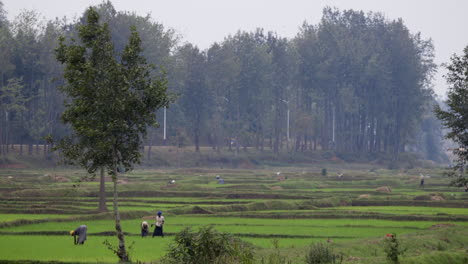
x=455, y=118
x=111, y=104
x=196, y=99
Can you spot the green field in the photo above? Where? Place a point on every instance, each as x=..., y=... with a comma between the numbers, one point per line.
x=298, y=208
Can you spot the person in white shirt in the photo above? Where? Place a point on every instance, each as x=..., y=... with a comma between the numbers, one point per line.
x=158, y=230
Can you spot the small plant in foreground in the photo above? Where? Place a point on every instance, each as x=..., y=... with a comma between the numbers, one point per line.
x=208, y=246
x=115, y=249
x=275, y=258
x=321, y=253
x=392, y=248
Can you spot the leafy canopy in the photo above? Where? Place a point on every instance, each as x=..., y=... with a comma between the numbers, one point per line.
x=455, y=118
x=112, y=97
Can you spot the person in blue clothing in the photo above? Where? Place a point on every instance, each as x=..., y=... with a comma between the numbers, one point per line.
x=81, y=233
x=158, y=230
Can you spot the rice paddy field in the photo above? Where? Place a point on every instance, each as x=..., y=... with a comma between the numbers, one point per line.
x=293, y=206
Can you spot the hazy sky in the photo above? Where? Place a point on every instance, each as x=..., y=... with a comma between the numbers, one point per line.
x=203, y=22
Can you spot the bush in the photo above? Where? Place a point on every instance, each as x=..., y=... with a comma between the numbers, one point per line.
x=275, y=258
x=392, y=248
x=208, y=246
x=324, y=172
x=320, y=253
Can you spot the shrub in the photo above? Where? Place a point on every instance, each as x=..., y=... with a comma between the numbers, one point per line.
x=208, y=246
x=275, y=258
x=324, y=172
x=392, y=248
x=321, y=253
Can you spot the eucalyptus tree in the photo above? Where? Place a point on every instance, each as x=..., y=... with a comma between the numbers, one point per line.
x=221, y=75
x=50, y=99
x=195, y=99
x=7, y=67
x=158, y=43
x=250, y=92
x=12, y=106
x=455, y=117
x=27, y=30
x=111, y=102
x=412, y=68
x=3, y=16
x=280, y=81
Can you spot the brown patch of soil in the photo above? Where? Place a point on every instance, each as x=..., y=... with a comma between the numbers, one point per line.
x=246, y=165
x=364, y=196
x=351, y=258
x=60, y=178
x=199, y=210
x=122, y=181
x=12, y=166
x=437, y=198
x=343, y=203
x=169, y=186
x=441, y=225
x=275, y=188
x=386, y=189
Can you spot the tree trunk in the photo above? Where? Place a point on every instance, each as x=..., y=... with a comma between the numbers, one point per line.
x=148, y=156
x=121, y=251
x=197, y=141
x=102, y=192
x=262, y=143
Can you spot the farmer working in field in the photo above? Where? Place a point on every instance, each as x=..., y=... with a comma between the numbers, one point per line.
x=144, y=229
x=81, y=233
x=158, y=230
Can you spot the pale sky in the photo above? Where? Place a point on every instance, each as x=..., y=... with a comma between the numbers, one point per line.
x=203, y=22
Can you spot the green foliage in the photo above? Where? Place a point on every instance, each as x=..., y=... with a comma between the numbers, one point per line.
x=275, y=258
x=358, y=70
x=111, y=103
x=455, y=118
x=322, y=253
x=295, y=217
x=207, y=246
x=457, y=179
x=393, y=248
x=324, y=172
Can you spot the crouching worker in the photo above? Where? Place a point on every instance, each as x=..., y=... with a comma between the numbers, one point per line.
x=144, y=229
x=158, y=230
x=81, y=233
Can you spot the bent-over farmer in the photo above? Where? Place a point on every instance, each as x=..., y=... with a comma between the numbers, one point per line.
x=144, y=229
x=81, y=233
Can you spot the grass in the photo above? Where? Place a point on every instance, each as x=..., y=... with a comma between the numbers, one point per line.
x=243, y=227
x=303, y=208
x=14, y=217
x=405, y=210
x=50, y=248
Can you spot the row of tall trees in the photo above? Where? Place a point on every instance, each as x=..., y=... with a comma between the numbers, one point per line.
x=355, y=82
x=30, y=76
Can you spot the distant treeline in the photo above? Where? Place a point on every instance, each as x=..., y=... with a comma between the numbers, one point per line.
x=355, y=83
